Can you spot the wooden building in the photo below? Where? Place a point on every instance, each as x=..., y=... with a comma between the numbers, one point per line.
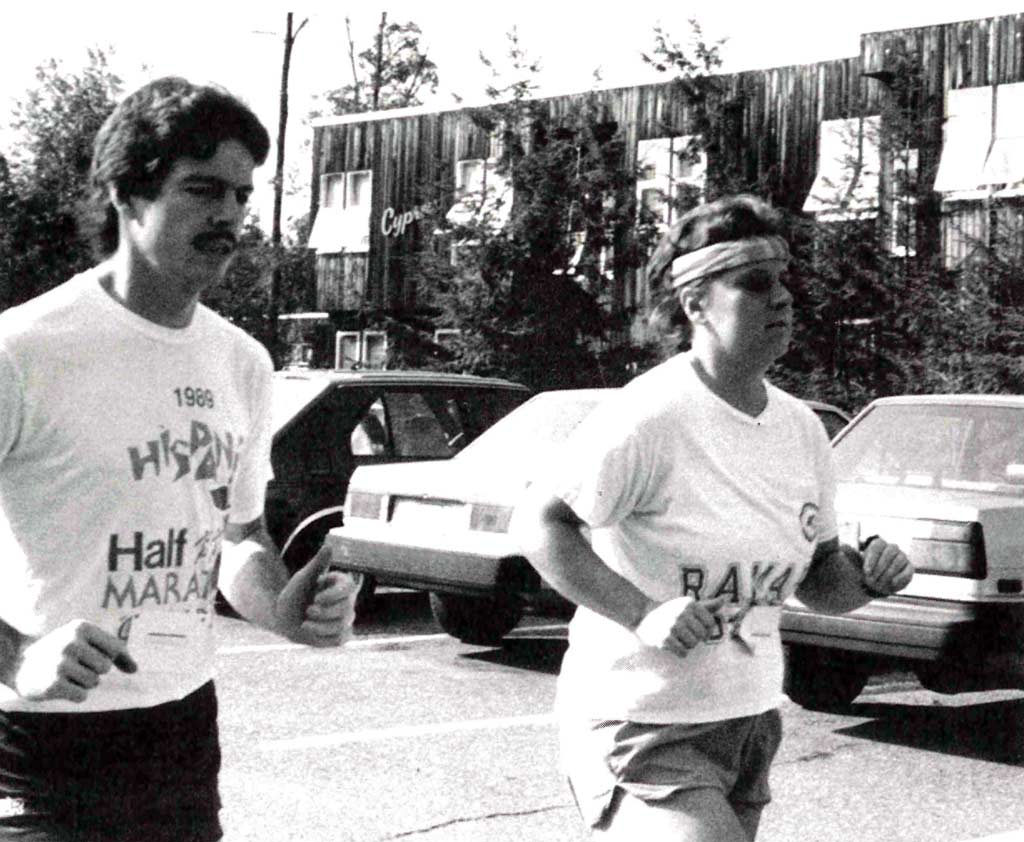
x=922, y=132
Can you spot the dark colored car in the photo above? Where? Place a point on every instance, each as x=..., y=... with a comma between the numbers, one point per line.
x=328, y=423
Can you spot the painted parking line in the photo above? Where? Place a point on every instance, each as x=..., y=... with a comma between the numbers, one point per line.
x=376, y=735
x=373, y=642
x=365, y=643
x=1008, y=836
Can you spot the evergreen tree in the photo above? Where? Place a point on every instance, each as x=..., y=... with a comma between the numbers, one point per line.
x=531, y=296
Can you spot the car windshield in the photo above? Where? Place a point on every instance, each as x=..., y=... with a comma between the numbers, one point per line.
x=529, y=432
x=291, y=394
x=966, y=447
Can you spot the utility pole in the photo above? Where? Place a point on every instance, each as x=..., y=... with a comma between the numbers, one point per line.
x=379, y=63
x=282, y=126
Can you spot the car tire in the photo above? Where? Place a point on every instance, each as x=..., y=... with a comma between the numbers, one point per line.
x=819, y=678
x=478, y=620
x=949, y=680
x=299, y=549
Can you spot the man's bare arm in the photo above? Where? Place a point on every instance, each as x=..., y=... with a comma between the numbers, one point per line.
x=315, y=605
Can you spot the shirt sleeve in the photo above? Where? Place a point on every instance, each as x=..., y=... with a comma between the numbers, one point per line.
x=11, y=404
x=255, y=468
x=604, y=469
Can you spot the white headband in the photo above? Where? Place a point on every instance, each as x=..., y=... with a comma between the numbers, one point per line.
x=698, y=264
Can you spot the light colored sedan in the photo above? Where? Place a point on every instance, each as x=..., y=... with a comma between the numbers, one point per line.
x=442, y=527
x=943, y=477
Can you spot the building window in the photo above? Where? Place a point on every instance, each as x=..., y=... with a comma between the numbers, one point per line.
x=1004, y=167
x=669, y=169
x=982, y=158
x=966, y=136
x=483, y=196
x=332, y=190
x=355, y=349
x=903, y=203
x=469, y=176
x=375, y=349
x=983, y=143
x=578, y=241
x=483, y=200
x=342, y=221
x=846, y=184
x=358, y=185
x=447, y=337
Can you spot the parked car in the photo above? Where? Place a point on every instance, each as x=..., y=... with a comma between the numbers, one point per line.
x=943, y=477
x=328, y=423
x=443, y=528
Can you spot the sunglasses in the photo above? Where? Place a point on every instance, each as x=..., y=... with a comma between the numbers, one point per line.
x=757, y=281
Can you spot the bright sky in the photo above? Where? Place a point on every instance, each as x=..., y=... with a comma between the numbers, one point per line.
x=239, y=45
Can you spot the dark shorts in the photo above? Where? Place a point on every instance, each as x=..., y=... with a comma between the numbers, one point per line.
x=144, y=775
x=653, y=762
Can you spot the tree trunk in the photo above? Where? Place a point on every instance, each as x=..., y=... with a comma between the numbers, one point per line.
x=282, y=126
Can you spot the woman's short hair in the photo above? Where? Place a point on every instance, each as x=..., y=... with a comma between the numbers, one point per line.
x=138, y=144
x=729, y=218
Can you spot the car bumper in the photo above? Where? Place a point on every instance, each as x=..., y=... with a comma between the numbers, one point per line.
x=974, y=637
x=486, y=569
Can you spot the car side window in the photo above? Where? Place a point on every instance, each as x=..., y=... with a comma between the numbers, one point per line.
x=369, y=435
x=997, y=445
x=417, y=430
x=295, y=460
x=465, y=413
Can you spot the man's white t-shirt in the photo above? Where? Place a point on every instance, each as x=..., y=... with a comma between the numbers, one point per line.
x=685, y=495
x=125, y=447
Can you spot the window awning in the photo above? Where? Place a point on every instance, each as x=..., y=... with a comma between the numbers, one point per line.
x=1005, y=162
x=966, y=137
x=849, y=161
x=339, y=229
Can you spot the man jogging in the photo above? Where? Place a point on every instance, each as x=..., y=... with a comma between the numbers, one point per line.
x=135, y=438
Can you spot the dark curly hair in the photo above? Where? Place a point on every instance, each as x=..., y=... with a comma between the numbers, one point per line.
x=725, y=219
x=138, y=144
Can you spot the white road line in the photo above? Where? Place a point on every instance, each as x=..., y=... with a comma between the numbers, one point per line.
x=257, y=647
x=375, y=735
x=367, y=643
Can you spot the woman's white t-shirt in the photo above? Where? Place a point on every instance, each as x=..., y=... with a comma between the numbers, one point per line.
x=685, y=495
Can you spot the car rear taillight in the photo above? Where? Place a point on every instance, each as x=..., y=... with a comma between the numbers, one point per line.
x=950, y=549
x=365, y=504
x=489, y=518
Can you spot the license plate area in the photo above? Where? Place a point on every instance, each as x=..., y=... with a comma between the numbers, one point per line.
x=433, y=515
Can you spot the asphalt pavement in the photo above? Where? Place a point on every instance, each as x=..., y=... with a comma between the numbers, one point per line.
x=410, y=735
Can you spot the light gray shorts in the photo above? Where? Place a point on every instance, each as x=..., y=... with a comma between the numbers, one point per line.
x=653, y=762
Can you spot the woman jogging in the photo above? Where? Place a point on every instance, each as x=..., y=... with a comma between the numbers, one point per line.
x=706, y=494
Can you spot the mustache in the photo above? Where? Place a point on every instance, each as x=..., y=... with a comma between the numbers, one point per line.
x=209, y=237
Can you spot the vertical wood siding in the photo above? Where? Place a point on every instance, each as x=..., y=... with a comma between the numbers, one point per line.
x=768, y=134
